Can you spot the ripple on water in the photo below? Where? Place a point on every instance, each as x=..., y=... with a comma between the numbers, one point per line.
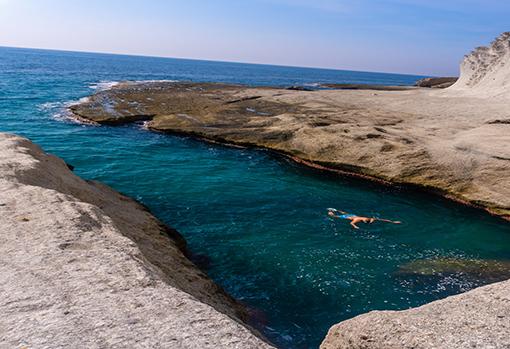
x=260, y=220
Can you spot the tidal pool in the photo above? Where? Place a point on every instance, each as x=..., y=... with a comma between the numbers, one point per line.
x=257, y=221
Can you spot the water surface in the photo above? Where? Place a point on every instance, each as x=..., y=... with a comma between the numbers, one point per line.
x=259, y=219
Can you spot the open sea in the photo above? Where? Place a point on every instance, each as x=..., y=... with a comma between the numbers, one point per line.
x=257, y=221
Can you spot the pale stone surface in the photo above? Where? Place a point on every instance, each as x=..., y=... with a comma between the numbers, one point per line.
x=82, y=266
x=477, y=319
x=449, y=143
x=453, y=141
x=485, y=72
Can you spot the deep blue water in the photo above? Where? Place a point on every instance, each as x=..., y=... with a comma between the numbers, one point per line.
x=259, y=219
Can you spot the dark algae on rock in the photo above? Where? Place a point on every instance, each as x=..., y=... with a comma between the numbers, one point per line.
x=423, y=138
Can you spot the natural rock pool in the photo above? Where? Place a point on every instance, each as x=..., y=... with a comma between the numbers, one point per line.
x=256, y=222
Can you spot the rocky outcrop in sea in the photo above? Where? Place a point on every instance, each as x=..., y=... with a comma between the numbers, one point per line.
x=85, y=266
x=432, y=139
x=453, y=142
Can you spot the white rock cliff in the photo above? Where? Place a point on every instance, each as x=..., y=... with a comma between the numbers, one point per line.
x=485, y=72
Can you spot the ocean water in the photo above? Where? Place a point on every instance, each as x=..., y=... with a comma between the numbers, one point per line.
x=257, y=222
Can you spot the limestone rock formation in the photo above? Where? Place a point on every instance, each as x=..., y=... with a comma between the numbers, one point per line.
x=486, y=70
x=82, y=266
x=367, y=87
x=452, y=145
x=437, y=82
x=452, y=141
x=476, y=319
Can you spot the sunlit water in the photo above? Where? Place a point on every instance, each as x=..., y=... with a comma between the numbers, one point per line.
x=259, y=219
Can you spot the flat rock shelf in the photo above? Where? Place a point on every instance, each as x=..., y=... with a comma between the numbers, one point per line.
x=450, y=145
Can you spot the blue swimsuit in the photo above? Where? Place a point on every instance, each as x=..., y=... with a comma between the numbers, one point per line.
x=347, y=216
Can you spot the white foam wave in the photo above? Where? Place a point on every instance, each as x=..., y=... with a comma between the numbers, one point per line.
x=49, y=105
x=107, y=85
x=144, y=125
x=60, y=110
x=103, y=85
x=163, y=80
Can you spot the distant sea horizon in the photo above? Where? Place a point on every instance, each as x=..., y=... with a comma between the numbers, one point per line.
x=216, y=61
x=259, y=222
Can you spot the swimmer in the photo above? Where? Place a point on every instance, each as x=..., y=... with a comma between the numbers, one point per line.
x=334, y=213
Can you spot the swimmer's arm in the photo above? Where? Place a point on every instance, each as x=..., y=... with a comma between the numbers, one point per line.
x=387, y=220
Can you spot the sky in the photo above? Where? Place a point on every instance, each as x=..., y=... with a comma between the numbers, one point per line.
x=425, y=37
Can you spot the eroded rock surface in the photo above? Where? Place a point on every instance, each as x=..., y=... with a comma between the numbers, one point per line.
x=477, y=319
x=82, y=266
x=457, y=146
x=453, y=141
x=443, y=82
x=486, y=70
x=367, y=87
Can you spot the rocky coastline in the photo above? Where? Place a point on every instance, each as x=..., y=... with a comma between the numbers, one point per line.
x=85, y=266
x=422, y=138
x=449, y=137
x=475, y=319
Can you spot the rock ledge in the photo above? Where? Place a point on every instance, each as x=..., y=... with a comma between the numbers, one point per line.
x=82, y=266
x=476, y=319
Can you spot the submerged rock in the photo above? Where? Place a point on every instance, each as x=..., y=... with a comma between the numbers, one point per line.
x=481, y=269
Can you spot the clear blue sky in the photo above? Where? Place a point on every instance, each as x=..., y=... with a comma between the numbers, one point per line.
x=426, y=37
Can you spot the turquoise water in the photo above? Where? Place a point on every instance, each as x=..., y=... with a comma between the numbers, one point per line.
x=256, y=221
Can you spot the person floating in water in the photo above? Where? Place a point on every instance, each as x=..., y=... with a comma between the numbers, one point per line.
x=334, y=213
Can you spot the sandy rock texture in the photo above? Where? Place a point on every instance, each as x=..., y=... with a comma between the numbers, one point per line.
x=486, y=71
x=452, y=141
x=367, y=87
x=448, y=143
x=477, y=319
x=82, y=266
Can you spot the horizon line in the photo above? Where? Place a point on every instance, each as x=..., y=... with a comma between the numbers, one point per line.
x=211, y=60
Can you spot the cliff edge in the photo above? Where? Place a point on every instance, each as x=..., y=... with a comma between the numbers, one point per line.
x=82, y=266
x=485, y=72
x=475, y=319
